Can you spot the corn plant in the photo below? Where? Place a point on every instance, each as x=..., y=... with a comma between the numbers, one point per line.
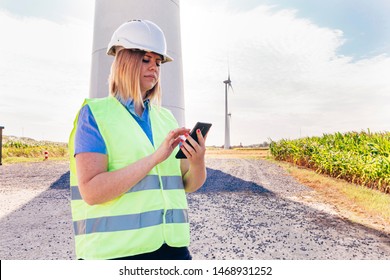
x=362, y=158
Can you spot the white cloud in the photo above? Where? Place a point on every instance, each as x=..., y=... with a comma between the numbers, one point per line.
x=288, y=77
x=44, y=69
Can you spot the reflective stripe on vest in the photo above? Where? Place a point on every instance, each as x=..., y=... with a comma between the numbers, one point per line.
x=150, y=182
x=130, y=222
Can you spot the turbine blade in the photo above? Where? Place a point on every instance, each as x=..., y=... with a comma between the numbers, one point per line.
x=230, y=85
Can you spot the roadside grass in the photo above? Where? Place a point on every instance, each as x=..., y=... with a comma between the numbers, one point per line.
x=244, y=153
x=357, y=203
x=13, y=160
x=18, y=150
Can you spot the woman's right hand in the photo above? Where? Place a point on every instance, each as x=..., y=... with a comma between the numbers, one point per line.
x=171, y=141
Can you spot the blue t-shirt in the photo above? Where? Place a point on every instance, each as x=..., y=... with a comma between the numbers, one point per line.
x=88, y=137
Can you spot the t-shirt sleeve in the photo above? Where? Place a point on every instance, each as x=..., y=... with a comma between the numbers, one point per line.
x=88, y=137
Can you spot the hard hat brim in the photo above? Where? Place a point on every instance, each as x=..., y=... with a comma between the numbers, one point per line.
x=111, y=51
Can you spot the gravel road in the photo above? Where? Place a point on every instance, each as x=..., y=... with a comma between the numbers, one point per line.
x=248, y=209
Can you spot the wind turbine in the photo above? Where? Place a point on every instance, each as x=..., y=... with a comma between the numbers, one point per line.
x=228, y=83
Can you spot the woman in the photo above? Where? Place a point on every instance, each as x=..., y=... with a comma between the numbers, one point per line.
x=128, y=189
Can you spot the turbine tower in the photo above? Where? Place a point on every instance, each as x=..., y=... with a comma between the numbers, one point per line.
x=228, y=83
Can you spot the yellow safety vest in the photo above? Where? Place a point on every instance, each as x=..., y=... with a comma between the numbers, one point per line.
x=151, y=213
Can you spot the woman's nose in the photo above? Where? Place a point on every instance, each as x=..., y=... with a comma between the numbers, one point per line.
x=152, y=65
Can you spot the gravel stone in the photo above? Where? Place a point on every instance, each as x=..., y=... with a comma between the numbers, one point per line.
x=247, y=209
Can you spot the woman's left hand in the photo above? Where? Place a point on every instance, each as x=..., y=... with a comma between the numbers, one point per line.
x=196, y=153
x=194, y=167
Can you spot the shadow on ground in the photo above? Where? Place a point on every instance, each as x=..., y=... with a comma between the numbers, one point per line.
x=62, y=182
x=218, y=181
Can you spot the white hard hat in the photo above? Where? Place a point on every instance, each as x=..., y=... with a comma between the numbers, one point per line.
x=142, y=35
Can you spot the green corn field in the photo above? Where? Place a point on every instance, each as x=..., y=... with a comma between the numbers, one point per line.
x=361, y=158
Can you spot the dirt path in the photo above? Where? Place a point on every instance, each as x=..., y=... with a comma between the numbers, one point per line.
x=248, y=209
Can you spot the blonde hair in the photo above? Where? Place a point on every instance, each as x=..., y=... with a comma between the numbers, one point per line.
x=124, y=79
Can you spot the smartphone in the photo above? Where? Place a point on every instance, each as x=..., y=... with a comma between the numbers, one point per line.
x=204, y=128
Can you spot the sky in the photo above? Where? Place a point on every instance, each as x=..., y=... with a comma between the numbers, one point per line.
x=298, y=68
